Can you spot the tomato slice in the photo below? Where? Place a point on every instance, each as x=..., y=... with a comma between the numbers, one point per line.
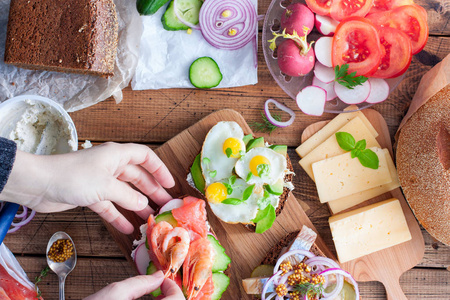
x=396, y=53
x=341, y=9
x=356, y=43
x=384, y=5
x=320, y=7
x=408, y=18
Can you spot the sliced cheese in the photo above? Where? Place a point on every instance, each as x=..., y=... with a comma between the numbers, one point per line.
x=330, y=147
x=341, y=204
x=328, y=130
x=369, y=229
x=342, y=176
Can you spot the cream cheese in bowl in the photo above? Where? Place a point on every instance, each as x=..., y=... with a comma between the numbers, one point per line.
x=30, y=120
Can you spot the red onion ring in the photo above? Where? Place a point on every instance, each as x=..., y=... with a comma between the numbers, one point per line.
x=215, y=27
x=346, y=275
x=23, y=216
x=281, y=107
x=188, y=24
x=267, y=284
x=290, y=253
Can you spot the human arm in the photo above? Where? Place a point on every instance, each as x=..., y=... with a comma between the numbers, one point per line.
x=135, y=287
x=94, y=177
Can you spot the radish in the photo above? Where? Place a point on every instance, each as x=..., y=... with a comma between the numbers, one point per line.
x=141, y=259
x=379, y=90
x=356, y=95
x=323, y=50
x=172, y=204
x=292, y=61
x=326, y=25
x=311, y=100
x=328, y=87
x=324, y=73
x=296, y=17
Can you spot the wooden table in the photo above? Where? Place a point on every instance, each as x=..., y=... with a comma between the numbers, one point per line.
x=153, y=117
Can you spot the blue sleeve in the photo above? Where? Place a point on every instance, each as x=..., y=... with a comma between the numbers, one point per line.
x=7, y=156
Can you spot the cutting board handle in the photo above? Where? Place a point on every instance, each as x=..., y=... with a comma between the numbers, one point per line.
x=394, y=290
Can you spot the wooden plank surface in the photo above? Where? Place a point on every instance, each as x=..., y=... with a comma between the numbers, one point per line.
x=153, y=117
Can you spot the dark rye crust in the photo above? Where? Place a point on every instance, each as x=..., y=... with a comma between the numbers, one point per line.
x=283, y=197
x=74, y=36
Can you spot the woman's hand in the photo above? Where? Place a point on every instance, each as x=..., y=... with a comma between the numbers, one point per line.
x=139, y=286
x=94, y=177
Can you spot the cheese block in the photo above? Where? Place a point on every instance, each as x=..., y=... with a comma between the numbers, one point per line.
x=330, y=147
x=333, y=126
x=369, y=229
x=342, y=176
x=341, y=204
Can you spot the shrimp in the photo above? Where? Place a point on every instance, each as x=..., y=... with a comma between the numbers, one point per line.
x=169, y=246
x=197, y=267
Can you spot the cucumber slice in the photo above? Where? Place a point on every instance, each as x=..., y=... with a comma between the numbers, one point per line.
x=221, y=282
x=150, y=270
x=188, y=9
x=168, y=217
x=197, y=175
x=204, y=73
x=262, y=271
x=221, y=260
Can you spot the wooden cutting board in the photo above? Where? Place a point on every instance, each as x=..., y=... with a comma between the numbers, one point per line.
x=246, y=249
x=386, y=265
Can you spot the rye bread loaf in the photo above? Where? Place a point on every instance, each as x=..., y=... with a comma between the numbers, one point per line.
x=423, y=164
x=74, y=36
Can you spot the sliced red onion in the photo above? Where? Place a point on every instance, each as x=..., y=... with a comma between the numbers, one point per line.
x=284, y=278
x=179, y=17
x=25, y=217
x=172, y=204
x=230, y=30
x=281, y=107
x=320, y=260
x=261, y=17
x=290, y=253
x=337, y=289
x=271, y=296
x=346, y=275
x=273, y=278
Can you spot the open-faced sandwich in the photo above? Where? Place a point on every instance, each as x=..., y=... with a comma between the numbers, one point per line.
x=178, y=241
x=296, y=269
x=244, y=179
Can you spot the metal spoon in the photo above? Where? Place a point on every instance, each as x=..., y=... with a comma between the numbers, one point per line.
x=64, y=268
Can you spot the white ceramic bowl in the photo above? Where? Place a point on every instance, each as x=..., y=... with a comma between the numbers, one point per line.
x=11, y=112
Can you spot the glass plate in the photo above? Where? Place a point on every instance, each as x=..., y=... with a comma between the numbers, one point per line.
x=292, y=85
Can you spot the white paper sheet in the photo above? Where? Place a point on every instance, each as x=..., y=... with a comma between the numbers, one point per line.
x=75, y=91
x=165, y=57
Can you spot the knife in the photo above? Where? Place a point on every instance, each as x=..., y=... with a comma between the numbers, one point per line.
x=6, y=217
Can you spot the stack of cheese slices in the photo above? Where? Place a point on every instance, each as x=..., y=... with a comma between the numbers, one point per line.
x=343, y=182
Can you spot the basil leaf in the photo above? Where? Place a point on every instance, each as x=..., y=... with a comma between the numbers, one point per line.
x=264, y=219
x=228, y=152
x=232, y=201
x=345, y=140
x=355, y=153
x=249, y=176
x=361, y=145
x=248, y=192
x=206, y=160
x=369, y=159
x=213, y=174
x=263, y=170
x=232, y=179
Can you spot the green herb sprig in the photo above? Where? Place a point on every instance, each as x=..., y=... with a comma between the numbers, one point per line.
x=366, y=157
x=38, y=279
x=265, y=126
x=235, y=201
x=348, y=80
x=212, y=173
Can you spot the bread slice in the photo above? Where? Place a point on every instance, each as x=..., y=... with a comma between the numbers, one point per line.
x=76, y=36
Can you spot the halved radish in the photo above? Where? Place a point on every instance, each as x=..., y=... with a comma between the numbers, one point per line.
x=356, y=95
x=324, y=73
x=141, y=259
x=328, y=87
x=379, y=90
x=326, y=25
x=172, y=204
x=311, y=100
x=323, y=50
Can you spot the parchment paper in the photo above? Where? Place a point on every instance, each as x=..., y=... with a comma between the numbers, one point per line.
x=432, y=82
x=165, y=57
x=75, y=91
